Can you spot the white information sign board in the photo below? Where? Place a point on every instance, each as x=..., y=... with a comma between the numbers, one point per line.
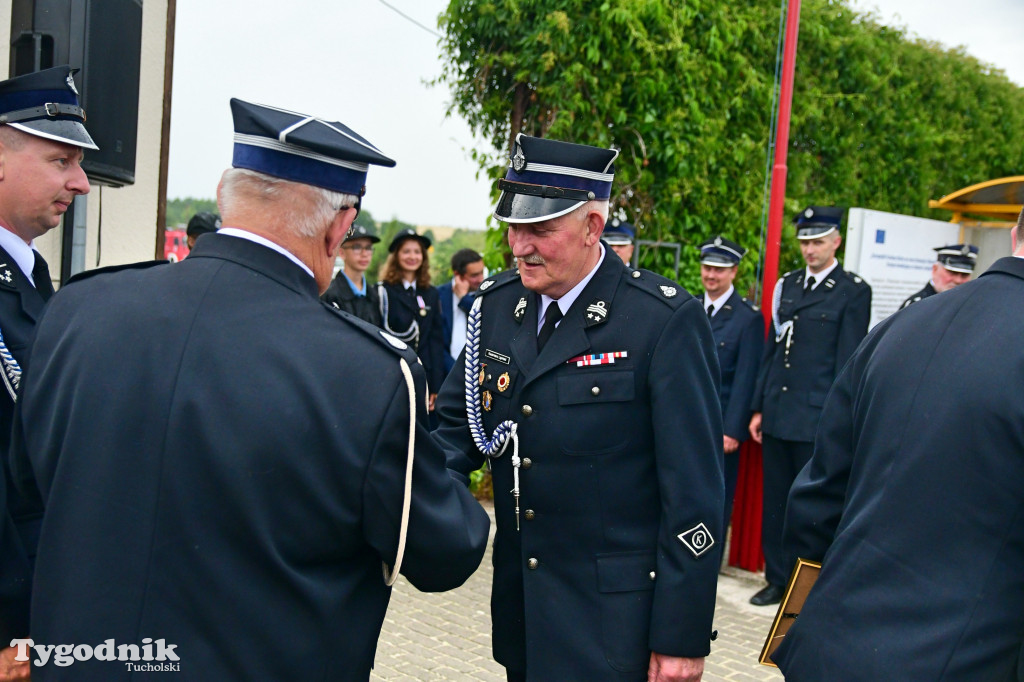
x=894, y=254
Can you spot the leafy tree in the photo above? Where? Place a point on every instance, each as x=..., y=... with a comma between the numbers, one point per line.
x=180, y=211
x=684, y=89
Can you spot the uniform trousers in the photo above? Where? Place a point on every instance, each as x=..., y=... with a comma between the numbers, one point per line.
x=782, y=461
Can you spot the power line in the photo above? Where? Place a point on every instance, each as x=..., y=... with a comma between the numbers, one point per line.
x=408, y=18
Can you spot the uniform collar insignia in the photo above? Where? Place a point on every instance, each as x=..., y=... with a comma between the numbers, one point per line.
x=597, y=312
x=520, y=309
x=487, y=285
x=669, y=292
x=7, y=277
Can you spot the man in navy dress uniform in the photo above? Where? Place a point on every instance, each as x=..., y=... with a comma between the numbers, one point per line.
x=819, y=315
x=230, y=472
x=594, y=389
x=739, y=336
x=619, y=235
x=913, y=500
x=41, y=145
x=954, y=267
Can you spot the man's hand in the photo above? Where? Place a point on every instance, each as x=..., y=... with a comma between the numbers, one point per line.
x=430, y=402
x=755, y=427
x=672, y=669
x=12, y=670
x=730, y=444
x=460, y=285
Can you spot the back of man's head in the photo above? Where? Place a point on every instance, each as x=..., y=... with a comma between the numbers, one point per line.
x=464, y=258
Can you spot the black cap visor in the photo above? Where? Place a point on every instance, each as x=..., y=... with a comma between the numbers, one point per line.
x=963, y=266
x=58, y=130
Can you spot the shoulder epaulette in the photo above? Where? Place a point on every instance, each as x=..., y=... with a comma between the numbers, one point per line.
x=750, y=304
x=857, y=279
x=498, y=280
x=386, y=340
x=662, y=288
x=143, y=265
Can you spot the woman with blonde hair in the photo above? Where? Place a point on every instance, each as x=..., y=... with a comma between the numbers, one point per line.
x=411, y=307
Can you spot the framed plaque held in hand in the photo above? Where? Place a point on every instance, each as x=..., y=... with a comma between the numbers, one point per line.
x=805, y=573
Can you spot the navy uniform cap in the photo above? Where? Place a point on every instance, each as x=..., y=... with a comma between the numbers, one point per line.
x=817, y=221
x=361, y=232
x=302, y=148
x=548, y=178
x=958, y=257
x=45, y=104
x=619, y=233
x=408, y=233
x=202, y=223
x=719, y=252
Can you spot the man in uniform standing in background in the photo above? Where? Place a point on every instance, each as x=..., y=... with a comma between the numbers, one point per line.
x=349, y=290
x=593, y=387
x=619, y=235
x=819, y=315
x=739, y=336
x=954, y=267
x=41, y=147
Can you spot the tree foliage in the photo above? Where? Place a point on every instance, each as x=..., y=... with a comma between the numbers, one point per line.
x=684, y=88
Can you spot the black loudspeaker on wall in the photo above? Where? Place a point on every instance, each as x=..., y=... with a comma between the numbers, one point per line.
x=103, y=38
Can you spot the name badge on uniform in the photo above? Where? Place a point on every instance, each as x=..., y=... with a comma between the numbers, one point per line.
x=497, y=357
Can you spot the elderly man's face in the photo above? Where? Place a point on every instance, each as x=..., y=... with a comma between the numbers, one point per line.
x=944, y=280
x=555, y=255
x=39, y=178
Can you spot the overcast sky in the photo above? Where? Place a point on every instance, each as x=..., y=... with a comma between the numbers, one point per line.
x=360, y=62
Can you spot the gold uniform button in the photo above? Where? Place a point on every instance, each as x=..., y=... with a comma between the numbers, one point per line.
x=526, y=463
x=532, y=564
x=529, y=514
x=527, y=410
x=595, y=391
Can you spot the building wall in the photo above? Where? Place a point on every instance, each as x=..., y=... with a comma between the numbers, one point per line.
x=129, y=228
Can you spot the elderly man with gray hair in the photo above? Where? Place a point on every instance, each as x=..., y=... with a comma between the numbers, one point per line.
x=239, y=473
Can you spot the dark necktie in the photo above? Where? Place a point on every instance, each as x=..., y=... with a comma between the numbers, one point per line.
x=810, y=283
x=41, y=277
x=711, y=310
x=554, y=314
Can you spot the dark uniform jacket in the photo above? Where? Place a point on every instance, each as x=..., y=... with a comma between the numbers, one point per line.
x=821, y=329
x=913, y=498
x=20, y=307
x=217, y=476
x=619, y=461
x=928, y=290
x=739, y=335
x=403, y=310
x=340, y=295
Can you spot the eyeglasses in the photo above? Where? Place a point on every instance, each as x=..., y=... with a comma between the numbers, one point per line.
x=359, y=248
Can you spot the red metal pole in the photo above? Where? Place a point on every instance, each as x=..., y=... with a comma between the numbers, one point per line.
x=779, y=170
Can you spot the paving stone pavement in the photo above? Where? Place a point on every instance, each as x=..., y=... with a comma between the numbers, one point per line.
x=448, y=636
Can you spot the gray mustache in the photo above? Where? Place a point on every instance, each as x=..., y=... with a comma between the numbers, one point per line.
x=533, y=259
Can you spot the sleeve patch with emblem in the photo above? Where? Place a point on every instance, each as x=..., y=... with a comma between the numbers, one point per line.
x=698, y=539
